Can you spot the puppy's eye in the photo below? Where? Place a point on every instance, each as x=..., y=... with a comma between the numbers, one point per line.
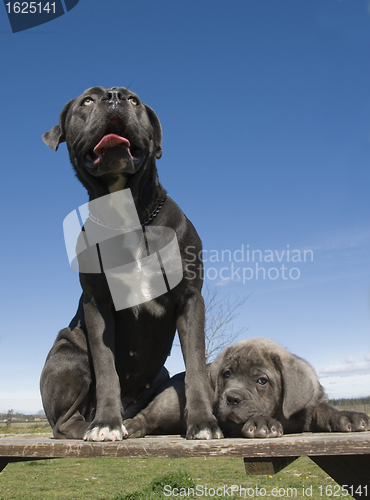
x=87, y=101
x=262, y=380
x=133, y=101
x=226, y=374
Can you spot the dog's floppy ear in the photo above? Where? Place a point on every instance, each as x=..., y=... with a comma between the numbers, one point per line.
x=57, y=134
x=54, y=137
x=299, y=384
x=214, y=372
x=157, y=131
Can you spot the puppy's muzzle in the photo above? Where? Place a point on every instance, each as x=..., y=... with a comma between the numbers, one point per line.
x=233, y=398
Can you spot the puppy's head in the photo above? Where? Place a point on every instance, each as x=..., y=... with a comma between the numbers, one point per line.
x=259, y=377
x=110, y=135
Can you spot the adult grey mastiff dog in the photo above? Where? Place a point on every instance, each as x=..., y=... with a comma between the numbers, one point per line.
x=260, y=390
x=109, y=363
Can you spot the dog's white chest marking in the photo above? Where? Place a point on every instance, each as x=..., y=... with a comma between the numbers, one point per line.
x=153, y=307
x=118, y=185
x=153, y=268
x=136, y=284
x=140, y=263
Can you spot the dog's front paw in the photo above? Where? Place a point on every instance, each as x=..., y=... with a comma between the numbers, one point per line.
x=349, y=421
x=135, y=428
x=204, y=430
x=105, y=433
x=262, y=427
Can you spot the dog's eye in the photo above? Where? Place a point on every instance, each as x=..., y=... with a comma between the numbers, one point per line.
x=87, y=101
x=133, y=101
x=262, y=380
x=226, y=374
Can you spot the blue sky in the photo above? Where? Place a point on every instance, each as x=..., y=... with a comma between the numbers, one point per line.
x=265, y=109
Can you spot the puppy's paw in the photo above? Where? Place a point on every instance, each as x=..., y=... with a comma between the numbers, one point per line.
x=204, y=430
x=105, y=433
x=349, y=421
x=262, y=427
x=135, y=428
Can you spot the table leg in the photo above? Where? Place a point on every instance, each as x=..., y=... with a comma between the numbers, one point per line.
x=350, y=471
x=266, y=466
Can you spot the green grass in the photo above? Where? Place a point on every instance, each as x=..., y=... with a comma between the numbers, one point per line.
x=139, y=479
x=25, y=428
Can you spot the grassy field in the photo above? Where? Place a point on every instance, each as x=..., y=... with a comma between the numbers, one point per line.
x=24, y=428
x=152, y=479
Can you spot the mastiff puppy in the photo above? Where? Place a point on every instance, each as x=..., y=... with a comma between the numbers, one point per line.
x=108, y=364
x=260, y=390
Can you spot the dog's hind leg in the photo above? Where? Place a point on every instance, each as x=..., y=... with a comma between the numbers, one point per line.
x=163, y=415
x=326, y=418
x=66, y=385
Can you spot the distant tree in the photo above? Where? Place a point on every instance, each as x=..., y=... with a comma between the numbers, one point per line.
x=220, y=315
x=9, y=418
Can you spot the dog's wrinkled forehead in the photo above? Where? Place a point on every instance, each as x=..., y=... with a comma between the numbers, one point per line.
x=245, y=359
x=108, y=93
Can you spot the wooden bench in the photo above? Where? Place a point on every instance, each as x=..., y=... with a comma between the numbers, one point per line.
x=344, y=457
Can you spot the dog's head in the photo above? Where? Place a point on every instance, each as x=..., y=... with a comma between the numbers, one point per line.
x=111, y=135
x=259, y=377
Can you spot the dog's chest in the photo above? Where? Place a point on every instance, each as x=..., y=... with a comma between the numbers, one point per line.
x=143, y=339
x=153, y=307
x=136, y=284
x=140, y=267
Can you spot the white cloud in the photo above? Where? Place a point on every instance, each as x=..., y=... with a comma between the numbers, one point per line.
x=344, y=240
x=351, y=367
x=351, y=386
x=350, y=379
x=224, y=281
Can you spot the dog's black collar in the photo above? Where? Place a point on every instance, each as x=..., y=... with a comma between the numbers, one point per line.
x=152, y=215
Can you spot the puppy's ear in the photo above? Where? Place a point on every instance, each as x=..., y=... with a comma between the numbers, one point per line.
x=300, y=384
x=215, y=373
x=154, y=120
x=57, y=134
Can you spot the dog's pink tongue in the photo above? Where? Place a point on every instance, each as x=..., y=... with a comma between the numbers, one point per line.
x=110, y=141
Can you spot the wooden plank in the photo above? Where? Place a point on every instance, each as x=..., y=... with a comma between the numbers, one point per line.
x=266, y=466
x=176, y=446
